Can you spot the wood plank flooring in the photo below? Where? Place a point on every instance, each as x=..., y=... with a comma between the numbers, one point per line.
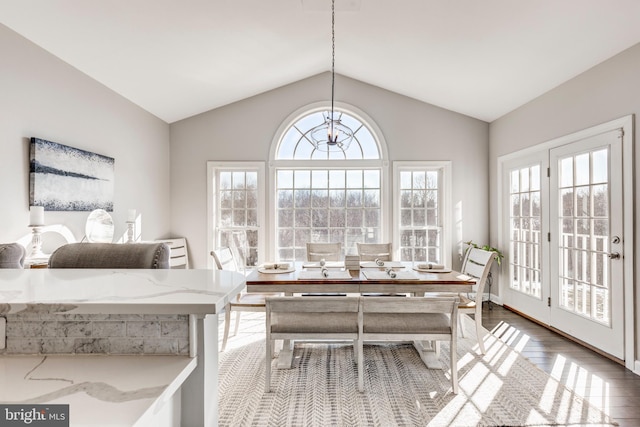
x=605, y=383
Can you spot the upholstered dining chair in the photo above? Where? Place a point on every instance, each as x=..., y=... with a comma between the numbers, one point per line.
x=224, y=260
x=373, y=251
x=111, y=255
x=326, y=251
x=12, y=255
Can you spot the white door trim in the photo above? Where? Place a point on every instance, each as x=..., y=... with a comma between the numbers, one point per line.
x=626, y=125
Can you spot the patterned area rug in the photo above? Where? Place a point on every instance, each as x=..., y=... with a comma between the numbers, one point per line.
x=501, y=388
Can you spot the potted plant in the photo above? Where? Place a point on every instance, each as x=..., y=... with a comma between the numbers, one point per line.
x=499, y=255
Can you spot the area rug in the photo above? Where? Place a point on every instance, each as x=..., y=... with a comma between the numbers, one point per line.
x=500, y=388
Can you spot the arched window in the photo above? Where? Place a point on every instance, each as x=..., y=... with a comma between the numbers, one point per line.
x=295, y=143
x=320, y=196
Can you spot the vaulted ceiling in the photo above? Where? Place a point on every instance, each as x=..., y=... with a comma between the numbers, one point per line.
x=482, y=58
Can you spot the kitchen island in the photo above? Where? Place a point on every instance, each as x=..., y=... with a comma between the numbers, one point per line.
x=101, y=386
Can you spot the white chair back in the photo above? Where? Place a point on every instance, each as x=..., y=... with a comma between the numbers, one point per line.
x=224, y=259
x=326, y=251
x=477, y=264
x=179, y=258
x=373, y=251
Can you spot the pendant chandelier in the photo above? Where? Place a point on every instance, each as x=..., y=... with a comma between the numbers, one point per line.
x=332, y=135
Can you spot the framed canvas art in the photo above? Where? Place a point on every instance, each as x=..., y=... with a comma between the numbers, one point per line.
x=63, y=178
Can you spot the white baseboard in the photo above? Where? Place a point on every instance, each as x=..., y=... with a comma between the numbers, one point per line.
x=636, y=367
x=495, y=299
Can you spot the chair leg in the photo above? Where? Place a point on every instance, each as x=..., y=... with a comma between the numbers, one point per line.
x=480, y=335
x=360, y=351
x=227, y=320
x=454, y=364
x=435, y=346
x=460, y=326
x=237, y=323
x=267, y=366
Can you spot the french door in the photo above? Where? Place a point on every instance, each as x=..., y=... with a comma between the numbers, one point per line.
x=565, y=233
x=527, y=229
x=586, y=226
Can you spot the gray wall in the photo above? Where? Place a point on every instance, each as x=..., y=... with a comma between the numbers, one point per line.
x=244, y=131
x=606, y=92
x=44, y=97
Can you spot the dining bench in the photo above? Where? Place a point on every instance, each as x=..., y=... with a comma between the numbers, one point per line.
x=360, y=319
x=317, y=318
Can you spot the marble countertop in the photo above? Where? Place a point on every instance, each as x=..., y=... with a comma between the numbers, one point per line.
x=110, y=389
x=100, y=390
x=87, y=291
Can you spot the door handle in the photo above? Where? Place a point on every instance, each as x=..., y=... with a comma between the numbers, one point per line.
x=614, y=255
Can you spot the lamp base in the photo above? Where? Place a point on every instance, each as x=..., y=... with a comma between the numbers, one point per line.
x=36, y=242
x=131, y=232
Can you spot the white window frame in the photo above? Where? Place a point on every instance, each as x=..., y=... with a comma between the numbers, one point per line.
x=540, y=159
x=382, y=164
x=385, y=211
x=445, y=169
x=213, y=168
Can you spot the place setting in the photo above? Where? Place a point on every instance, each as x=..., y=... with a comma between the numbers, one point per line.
x=378, y=263
x=324, y=270
x=323, y=264
x=388, y=273
x=430, y=267
x=276, y=268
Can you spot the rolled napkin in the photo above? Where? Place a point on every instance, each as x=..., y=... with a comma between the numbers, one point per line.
x=430, y=266
x=276, y=266
x=322, y=262
x=379, y=262
x=325, y=272
x=391, y=273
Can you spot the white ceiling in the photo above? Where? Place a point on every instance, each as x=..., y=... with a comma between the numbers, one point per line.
x=177, y=58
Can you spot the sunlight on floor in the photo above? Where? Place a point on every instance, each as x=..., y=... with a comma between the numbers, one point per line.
x=565, y=371
x=251, y=329
x=480, y=386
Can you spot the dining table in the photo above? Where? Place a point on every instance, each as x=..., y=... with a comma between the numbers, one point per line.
x=389, y=278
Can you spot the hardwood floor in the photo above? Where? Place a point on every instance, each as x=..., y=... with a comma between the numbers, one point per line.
x=603, y=382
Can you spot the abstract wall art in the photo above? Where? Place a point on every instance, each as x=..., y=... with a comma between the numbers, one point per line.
x=63, y=178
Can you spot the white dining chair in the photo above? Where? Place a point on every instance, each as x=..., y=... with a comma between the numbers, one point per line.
x=246, y=302
x=477, y=265
x=373, y=251
x=326, y=251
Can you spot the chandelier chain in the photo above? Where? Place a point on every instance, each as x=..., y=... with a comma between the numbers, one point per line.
x=332, y=135
x=333, y=52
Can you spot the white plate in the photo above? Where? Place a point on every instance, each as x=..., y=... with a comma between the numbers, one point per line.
x=327, y=264
x=371, y=274
x=317, y=275
x=275, y=270
x=432, y=270
x=387, y=264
